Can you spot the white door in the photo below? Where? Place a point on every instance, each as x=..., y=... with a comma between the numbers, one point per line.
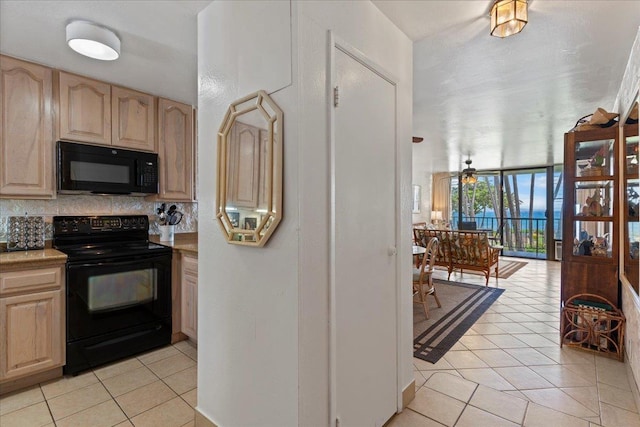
x=365, y=240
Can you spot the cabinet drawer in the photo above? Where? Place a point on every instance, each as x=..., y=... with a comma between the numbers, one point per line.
x=190, y=265
x=12, y=282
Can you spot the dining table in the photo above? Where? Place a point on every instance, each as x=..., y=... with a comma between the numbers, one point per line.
x=417, y=251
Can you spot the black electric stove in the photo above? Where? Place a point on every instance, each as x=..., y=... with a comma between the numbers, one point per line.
x=118, y=288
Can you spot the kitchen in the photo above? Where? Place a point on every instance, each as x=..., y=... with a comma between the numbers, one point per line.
x=55, y=94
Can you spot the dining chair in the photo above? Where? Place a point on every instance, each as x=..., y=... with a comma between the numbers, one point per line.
x=423, y=277
x=419, y=239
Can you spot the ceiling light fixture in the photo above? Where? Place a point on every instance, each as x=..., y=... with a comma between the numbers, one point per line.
x=508, y=17
x=469, y=174
x=93, y=40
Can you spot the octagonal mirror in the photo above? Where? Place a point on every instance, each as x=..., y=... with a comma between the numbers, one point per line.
x=249, y=170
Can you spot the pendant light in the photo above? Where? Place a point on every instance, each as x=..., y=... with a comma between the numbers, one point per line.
x=469, y=174
x=93, y=40
x=508, y=17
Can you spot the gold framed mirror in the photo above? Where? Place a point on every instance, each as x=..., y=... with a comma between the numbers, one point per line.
x=249, y=170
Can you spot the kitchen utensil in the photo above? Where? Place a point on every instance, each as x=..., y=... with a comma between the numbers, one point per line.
x=174, y=216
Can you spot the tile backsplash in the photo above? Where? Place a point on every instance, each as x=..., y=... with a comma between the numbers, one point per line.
x=94, y=205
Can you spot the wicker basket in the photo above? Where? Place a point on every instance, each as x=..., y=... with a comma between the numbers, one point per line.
x=592, y=323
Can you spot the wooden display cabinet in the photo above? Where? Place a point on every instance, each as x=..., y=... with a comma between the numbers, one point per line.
x=631, y=209
x=590, y=214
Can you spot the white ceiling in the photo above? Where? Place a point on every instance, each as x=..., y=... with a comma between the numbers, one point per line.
x=159, y=41
x=507, y=102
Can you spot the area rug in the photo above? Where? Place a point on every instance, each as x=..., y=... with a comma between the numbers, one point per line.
x=462, y=305
x=506, y=268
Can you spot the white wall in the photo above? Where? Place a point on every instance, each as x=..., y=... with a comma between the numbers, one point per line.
x=263, y=313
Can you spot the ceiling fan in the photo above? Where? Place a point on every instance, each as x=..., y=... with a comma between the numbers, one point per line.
x=469, y=174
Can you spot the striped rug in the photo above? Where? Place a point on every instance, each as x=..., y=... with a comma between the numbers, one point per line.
x=507, y=267
x=462, y=305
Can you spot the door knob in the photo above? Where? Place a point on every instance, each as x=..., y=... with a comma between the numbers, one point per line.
x=392, y=251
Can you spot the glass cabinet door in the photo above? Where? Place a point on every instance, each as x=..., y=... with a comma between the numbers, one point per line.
x=631, y=215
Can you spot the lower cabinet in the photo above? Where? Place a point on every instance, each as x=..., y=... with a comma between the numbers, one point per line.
x=31, y=322
x=189, y=296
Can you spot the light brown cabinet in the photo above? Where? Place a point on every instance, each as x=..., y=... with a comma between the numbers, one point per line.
x=85, y=109
x=189, y=296
x=243, y=166
x=175, y=150
x=40, y=105
x=31, y=322
x=134, y=119
x=26, y=130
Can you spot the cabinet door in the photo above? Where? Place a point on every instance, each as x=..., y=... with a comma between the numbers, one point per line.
x=32, y=333
x=26, y=130
x=175, y=150
x=85, y=109
x=189, y=280
x=244, y=166
x=134, y=119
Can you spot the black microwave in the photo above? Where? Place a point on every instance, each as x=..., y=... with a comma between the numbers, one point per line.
x=93, y=169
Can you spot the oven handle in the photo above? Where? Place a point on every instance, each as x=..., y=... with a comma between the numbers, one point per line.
x=111, y=263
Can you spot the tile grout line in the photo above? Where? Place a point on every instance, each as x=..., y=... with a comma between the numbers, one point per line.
x=46, y=401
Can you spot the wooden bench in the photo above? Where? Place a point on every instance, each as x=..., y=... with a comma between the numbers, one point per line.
x=464, y=250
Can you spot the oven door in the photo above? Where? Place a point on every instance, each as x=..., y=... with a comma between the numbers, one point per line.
x=115, y=294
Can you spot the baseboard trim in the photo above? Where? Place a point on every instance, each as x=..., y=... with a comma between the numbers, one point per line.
x=13, y=385
x=635, y=387
x=408, y=394
x=202, y=420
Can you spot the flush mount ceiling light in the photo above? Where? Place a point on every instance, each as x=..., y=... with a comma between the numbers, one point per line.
x=93, y=40
x=469, y=174
x=508, y=17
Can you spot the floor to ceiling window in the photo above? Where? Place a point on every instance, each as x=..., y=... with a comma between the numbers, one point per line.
x=520, y=208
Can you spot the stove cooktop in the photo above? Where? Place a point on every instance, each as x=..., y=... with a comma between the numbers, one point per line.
x=111, y=250
x=105, y=236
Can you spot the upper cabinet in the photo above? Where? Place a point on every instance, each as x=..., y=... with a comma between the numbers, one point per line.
x=97, y=112
x=85, y=109
x=26, y=130
x=40, y=105
x=175, y=150
x=134, y=119
x=243, y=169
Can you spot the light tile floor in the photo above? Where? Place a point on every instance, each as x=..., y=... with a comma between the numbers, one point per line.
x=509, y=370
x=155, y=389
